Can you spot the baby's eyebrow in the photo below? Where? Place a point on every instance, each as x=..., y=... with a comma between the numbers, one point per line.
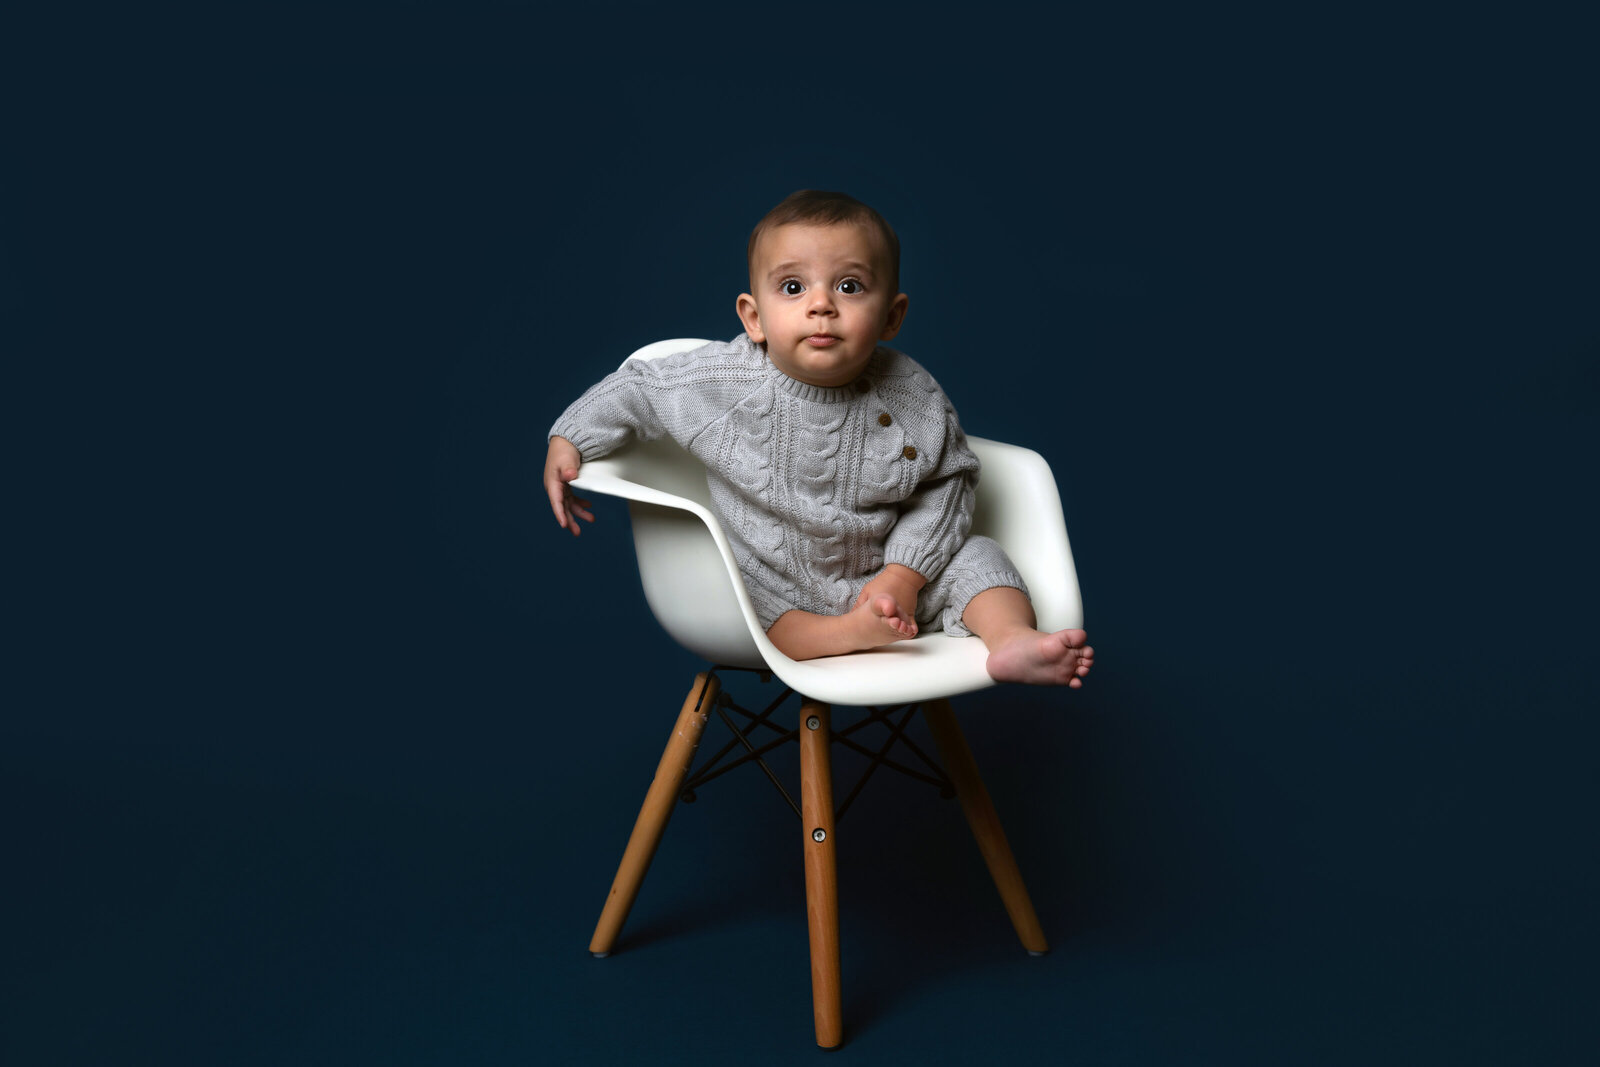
x=794, y=267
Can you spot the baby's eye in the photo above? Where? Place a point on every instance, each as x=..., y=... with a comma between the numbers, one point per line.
x=850, y=287
x=791, y=287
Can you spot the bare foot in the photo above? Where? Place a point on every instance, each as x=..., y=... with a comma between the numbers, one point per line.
x=1034, y=658
x=880, y=621
x=876, y=621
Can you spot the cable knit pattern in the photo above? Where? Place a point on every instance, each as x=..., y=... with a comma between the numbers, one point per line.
x=815, y=493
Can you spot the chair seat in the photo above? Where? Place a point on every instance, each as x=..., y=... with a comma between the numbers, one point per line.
x=927, y=667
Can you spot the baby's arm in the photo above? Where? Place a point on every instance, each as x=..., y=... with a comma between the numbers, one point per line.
x=676, y=396
x=561, y=465
x=621, y=406
x=934, y=520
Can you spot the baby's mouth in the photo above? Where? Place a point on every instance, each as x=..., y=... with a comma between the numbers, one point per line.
x=821, y=340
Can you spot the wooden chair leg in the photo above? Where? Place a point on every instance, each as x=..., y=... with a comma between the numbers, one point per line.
x=652, y=821
x=979, y=809
x=822, y=876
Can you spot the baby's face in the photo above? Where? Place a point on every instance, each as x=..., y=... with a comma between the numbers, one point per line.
x=822, y=300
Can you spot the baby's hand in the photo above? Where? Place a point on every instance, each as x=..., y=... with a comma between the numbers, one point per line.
x=561, y=465
x=901, y=583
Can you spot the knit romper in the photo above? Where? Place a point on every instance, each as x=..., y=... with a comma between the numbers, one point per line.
x=817, y=489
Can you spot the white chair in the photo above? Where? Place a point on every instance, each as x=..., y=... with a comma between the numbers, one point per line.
x=693, y=586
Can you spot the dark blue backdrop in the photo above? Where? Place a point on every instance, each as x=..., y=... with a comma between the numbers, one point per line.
x=324, y=739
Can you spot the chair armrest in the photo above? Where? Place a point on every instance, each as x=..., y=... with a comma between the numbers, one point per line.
x=686, y=565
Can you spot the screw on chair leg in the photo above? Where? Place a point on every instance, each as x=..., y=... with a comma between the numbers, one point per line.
x=985, y=824
x=652, y=821
x=822, y=878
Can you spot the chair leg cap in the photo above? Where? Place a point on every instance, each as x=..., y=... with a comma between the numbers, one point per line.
x=599, y=955
x=1031, y=952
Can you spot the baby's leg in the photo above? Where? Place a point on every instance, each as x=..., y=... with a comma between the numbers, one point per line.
x=1018, y=652
x=878, y=621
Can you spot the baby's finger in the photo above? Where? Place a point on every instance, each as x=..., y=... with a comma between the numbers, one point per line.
x=576, y=505
x=558, y=502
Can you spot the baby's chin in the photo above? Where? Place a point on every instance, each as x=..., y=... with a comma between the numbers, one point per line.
x=827, y=368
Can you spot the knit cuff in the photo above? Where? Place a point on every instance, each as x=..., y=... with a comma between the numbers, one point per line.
x=589, y=446
x=926, y=560
x=769, y=606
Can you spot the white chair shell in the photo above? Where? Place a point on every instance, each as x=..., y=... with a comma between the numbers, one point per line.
x=693, y=586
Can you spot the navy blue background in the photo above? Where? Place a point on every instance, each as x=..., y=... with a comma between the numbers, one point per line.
x=325, y=740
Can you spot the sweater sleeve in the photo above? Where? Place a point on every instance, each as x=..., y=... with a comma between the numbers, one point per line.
x=677, y=397
x=935, y=518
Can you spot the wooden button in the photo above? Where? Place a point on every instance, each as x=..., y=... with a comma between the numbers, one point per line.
x=884, y=419
x=909, y=453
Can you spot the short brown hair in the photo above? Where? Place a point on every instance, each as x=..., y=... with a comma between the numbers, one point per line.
x=821, y=208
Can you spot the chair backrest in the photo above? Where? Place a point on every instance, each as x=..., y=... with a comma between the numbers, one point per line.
x=1019, y=506
x=683, y=555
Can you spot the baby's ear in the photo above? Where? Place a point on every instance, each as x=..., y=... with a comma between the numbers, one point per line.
x=897, y=315
x=750, y=316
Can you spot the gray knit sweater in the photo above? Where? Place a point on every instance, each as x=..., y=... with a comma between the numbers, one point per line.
x=816, y=488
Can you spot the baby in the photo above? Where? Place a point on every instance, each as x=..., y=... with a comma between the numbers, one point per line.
x=836, y=466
